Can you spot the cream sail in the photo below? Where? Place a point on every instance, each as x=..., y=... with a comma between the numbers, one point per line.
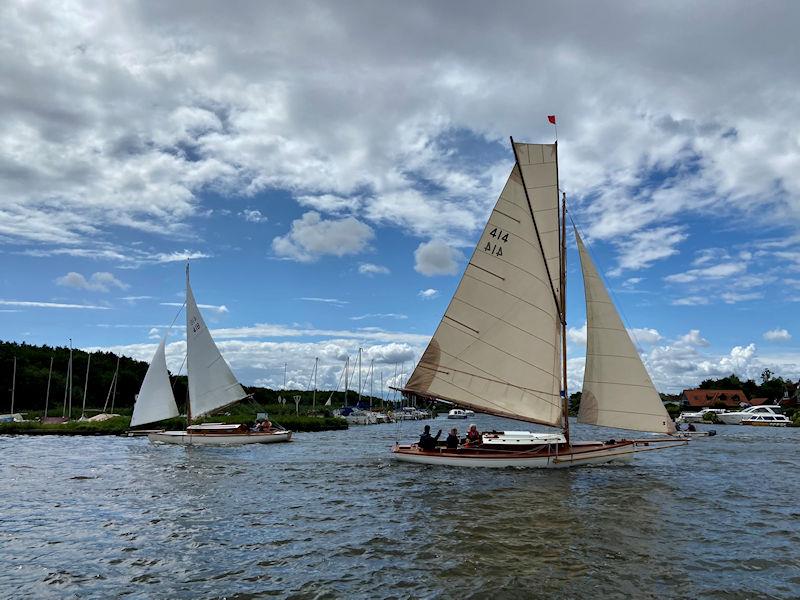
x=497, y=349
x=155, y=401
x=617, y=390
x=212, y=385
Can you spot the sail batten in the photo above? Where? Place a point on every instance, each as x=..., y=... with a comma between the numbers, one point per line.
x=496, y=349
x=617, y=389
x=155, y=401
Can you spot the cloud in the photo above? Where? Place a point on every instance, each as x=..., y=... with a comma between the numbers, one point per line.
x=718, y=271
x=154, y=333
x=642, y=248
x=311, y=237
x=428, y=294
x=97, y=282
x=577, y=335
x=645, y=335
x=437, y=258
x=379, y=316
x=335, y=301
x=777, y=335
x=330, y=203
x=693, y=338
x=372, y=269
x=253, y=216
x=221, y=309
x=34, y=304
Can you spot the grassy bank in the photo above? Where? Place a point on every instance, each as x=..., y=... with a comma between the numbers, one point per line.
x=119, y=425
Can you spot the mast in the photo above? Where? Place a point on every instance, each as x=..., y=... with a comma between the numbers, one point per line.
x=314, y=396
x=69, y=380
x=47, y=397
x=563, y=236
x=116, y=379
x=371, y=380
x=359, y=377
x=86, y=385
x=13, y=386
x=188, y=329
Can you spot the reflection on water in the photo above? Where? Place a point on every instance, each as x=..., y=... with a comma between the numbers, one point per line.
x=330, y=516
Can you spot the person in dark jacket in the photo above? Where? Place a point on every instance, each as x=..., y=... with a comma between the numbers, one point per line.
x=428, y=441
x=452, y=439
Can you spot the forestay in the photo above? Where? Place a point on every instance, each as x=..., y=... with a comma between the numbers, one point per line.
x=212, y=385
x=155, y=401
x=496, y=349
x=617, y=390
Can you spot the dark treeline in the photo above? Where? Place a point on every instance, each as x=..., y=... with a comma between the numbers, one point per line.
x=33, y=364
x=771, y=387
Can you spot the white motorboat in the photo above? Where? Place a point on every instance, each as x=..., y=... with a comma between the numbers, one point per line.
x=500, y=347
x=212, y=386
x=698, y=417
x=767, y=420
x=457, y=413
x=736, y=418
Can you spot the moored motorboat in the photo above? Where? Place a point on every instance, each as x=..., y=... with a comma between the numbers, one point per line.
x=736, y=417
x=767, y=420
x=219, y=434
x=457, y=413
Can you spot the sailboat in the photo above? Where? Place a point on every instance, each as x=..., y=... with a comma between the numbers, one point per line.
x=212, y=386
x=500, y=347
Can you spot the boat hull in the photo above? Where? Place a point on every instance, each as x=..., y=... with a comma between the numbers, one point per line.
x=588, y=453
x=184, y=438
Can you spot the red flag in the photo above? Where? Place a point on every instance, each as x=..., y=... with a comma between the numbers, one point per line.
x=552, y=119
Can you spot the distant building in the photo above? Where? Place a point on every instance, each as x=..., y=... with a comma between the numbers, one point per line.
x=759, y=401
x=711, y=398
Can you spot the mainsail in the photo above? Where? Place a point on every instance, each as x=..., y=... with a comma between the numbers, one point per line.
x=617, y=390
x=155, y=401
x=497, y=348
x=211, y=383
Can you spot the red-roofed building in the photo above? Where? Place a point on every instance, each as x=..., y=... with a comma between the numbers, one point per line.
x=759, y=401
x=711, y=398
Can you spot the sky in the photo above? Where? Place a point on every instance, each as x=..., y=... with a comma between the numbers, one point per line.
x=327, y=167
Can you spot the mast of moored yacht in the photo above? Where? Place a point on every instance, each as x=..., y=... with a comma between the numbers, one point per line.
x=563, y=235
x=47, y=396
x=86, y=386
x=188, y=329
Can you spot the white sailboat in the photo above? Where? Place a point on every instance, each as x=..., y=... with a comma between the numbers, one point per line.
x=212, y=386
x=500, y=348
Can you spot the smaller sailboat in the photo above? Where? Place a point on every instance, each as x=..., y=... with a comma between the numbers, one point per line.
x=212, y=386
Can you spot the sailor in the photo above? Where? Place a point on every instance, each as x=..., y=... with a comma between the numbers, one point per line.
x=691, y=427
x=473, y=435
x=428, y=441
x=452, y=439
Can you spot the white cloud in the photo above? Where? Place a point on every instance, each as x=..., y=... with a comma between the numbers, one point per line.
x=330, y=203
x=334, y=301
x=154, y=333
x=437, y=258
x=34, y=304
x=372, y=269
x=220, y=309
x=693, y=338
x=253, y=216
x=97, y=282
x=642, y=248
x=777, y=335
x=691, y=301
x=379, y=316
x=734, y=297
x=718, y=271
x=311, y=237
x=428, y=294
x=645, y=335
x=577, y=335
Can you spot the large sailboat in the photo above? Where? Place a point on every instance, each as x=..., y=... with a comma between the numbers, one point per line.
x=501, y=345
x=212, y=386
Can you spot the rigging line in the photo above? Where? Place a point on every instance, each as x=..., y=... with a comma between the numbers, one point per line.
x=614, y=301
x=535, y=226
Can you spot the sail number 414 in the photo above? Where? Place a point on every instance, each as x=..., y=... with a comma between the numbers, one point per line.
x=493, y=246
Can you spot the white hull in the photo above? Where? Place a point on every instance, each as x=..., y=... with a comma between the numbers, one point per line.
x=553, y=461
x=183, y=438
x=457, y=416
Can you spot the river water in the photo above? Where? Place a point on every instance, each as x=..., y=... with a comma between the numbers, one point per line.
x=331, y=516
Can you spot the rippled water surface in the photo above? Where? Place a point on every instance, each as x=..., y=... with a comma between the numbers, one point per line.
x=330, y=516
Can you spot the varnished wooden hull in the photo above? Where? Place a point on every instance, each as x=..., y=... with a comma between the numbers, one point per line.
x=547, y=457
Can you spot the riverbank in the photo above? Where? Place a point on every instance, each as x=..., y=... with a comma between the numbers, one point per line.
x=120, y=425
